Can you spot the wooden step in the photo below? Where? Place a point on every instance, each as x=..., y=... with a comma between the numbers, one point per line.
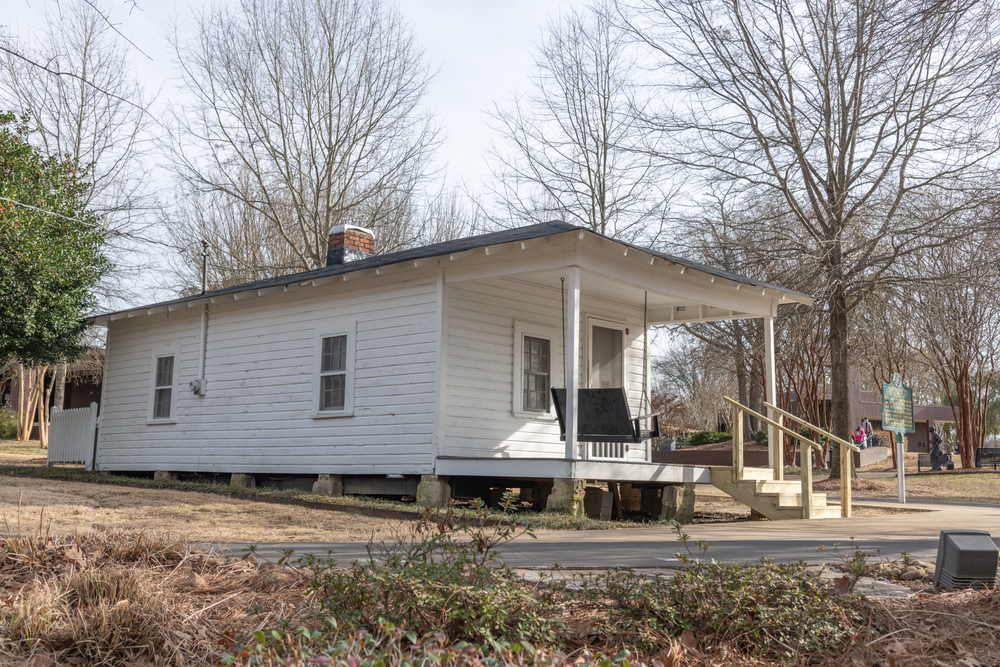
x=757, y=473
x=775, y=499
x=793, y=499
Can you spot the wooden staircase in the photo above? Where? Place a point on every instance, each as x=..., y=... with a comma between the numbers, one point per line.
x=775, y=499
x=764, y=489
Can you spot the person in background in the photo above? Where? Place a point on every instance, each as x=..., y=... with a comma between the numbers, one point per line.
x=859, y=438
x=869, y=431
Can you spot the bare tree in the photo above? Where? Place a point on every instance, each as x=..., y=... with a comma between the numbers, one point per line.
x=958, y=321
x=568, y=146
x=11, y=48
x=693, y=372
x=854, y=115
x=307, y=113
x=450, y=213
x=87, y=106
x=97, y=117
x=241, y=244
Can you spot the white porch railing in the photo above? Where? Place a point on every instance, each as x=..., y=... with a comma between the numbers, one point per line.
x=71, y=435
x=618, y=451
x=606, y=451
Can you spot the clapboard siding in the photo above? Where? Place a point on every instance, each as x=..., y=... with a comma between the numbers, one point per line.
x=479, y=414
x=260, y=369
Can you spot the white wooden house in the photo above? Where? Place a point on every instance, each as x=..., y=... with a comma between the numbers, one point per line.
x=429, y=364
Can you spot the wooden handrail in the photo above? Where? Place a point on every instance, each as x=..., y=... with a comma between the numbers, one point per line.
x=766, y=420
x=804, y=455
x=813, y=427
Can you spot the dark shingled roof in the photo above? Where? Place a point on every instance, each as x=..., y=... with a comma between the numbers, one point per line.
x=450, y=248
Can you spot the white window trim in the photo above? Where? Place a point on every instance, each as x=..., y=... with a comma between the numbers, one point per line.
x=522, y=329
x=348, y=411
x=607, y=324
x=175, y=388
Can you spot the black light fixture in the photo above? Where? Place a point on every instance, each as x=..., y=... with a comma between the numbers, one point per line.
x=966, y=558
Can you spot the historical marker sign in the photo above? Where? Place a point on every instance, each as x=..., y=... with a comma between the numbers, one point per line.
x=897, y=406
x=897, y=416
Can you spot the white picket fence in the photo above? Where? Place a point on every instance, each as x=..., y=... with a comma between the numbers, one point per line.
x=71, y=435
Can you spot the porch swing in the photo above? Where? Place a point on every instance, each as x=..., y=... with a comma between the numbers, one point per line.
x=603, y=414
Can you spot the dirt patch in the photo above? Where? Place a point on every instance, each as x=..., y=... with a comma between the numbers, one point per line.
x=748, y=446
x=858, y=484
x=75, y=506
x=8, y=459
x=723, y=509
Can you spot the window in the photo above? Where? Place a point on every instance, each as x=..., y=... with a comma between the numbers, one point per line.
x=163, y=375
x=536, y=348
x=536, y=374
x=333, y=374
x=333, y=378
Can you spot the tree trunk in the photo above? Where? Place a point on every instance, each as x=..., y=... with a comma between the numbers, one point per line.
x=21, y=379
x=59, y=386
x=43, y=409
x=965, y=438
x=839, y=368
x=27, y=402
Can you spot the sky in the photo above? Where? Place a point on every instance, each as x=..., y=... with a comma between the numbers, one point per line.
x=482, y=52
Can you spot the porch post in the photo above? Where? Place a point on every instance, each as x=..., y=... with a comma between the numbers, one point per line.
x=774, y=436
x=572, y=358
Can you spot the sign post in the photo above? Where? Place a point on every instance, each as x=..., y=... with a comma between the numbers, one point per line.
x=897, y=416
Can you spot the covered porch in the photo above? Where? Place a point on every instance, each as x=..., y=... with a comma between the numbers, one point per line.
x=589, y=302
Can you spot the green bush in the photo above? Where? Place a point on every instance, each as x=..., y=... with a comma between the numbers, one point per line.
x=335, y=644
x=767, y=609
x=760, y=437
x=432, y=582
x=708, y=437
x=8, y=425
x=440, y=595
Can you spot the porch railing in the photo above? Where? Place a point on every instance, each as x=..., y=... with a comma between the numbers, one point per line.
x=805, y=453
x=617, y=451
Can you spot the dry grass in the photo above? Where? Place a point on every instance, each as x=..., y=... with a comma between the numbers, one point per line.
x=118, y=598
x=128, y=599
x=953, y=628
x=945, y=487
x=14, y=452
x=201, y=517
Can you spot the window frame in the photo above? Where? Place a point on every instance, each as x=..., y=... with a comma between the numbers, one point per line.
x=318, y=374
x=552, y=335
x=158, y=354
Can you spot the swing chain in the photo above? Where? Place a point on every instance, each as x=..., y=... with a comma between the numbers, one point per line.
x=645, y=351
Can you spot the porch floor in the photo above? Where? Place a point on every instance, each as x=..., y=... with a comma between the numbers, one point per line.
x=538, y=468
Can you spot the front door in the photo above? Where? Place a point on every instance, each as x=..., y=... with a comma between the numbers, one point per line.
x=606, y=358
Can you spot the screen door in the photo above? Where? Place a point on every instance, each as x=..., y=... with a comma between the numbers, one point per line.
x=606, y=358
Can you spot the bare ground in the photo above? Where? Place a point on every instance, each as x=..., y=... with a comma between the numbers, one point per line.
x=66, y=507
x=201, y=517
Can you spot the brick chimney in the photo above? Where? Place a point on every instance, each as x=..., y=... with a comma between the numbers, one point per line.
x=349, y=244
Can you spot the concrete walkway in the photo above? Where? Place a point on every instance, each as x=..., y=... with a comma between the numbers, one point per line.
x=916, y=533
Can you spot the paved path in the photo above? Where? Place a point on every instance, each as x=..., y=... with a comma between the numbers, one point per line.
x=915, y=533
